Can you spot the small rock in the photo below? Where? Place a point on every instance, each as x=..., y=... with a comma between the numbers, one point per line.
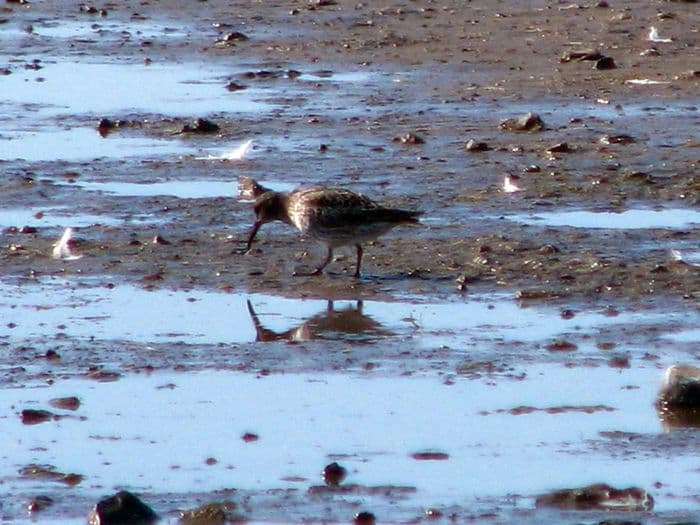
x=651, y=52
x=561, y=147
x=527, y=122
x=158, y=239
x=104, y=125
x=619, y=362
x=234, y=36
x=39, y=503
x=214, y=513
x=639, y=176
x=548, y=249
x=567, y=314
x=680, y=387
x=473, y=146
x=689, y=75
x=561, y=345
x=432, y=513
x=410, y=139
x=234, y=86
x=34, y=417
x=600, y=496
x=123, y=507
x=200, y=125
x=605, y=63
x=364, y=518
x=580, y=56
x=430, y=456
x=66, y=403
x=48, y=472
x=616, y=139
x=334, y=474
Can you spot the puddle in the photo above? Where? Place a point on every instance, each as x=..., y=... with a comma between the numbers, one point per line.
x=60, y=308
x=376, y=424
x=182, y=189
x=70, y=88
x=54, y=217
x=629, y=219
x=104, y=29
x=81, y=144
x=343, y=76
x=686, y=336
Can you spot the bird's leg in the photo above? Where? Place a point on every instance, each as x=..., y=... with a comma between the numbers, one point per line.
x=325, y=263
x=359, y=259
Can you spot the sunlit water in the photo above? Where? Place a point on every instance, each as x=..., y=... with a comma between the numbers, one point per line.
x=628, y=219
x=69, y=88
x=183, y=189
x=41, y=310
x=302, y=420
x=82, y=144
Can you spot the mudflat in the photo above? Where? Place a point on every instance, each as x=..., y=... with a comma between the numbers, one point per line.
x=121, y=120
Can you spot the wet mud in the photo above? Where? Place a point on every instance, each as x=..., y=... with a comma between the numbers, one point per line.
x=510, y=345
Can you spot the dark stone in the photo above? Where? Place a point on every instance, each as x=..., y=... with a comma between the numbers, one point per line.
x=39, y=503
x=66, y=403
x=410, y=138
x=200, y=125
x=334, y=474
x=605, y=63
x=474, y=146
x=364, y=518
x=580, y=56
x=235, y=36
x=621, y=138
x=214, y=513
x=233, y=86
x=33, y=417
x=527, y=122
x=121, y=508
x=599, y=496
x=561, y=147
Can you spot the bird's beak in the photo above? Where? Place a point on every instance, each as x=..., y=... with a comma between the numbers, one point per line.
x=253, y=232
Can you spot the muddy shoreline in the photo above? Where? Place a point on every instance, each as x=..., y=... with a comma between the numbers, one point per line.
x=510, y=309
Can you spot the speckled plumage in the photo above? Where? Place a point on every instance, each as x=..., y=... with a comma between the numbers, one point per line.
x=334, y=216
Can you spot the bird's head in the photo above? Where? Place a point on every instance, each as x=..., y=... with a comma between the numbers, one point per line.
x=268, y=207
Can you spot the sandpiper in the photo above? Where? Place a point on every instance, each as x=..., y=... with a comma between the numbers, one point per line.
x=335, y=216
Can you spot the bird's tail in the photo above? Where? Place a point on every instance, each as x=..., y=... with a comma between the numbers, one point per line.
x=394, y=215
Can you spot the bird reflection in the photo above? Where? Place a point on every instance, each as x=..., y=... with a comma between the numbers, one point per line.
x=327, y=324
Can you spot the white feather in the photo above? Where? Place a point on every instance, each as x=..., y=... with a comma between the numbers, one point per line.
x=645, y=82
x=61, y=250
x=237, y=153
x=509, y=186
x=654, y=36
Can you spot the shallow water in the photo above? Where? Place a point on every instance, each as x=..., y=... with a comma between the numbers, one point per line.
x=677, y=218
x=182, y=189
x=55, y=217
x=365, y=383
x=69, y=88
x=76, y=144
x=62, y=308
x=303, y=421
